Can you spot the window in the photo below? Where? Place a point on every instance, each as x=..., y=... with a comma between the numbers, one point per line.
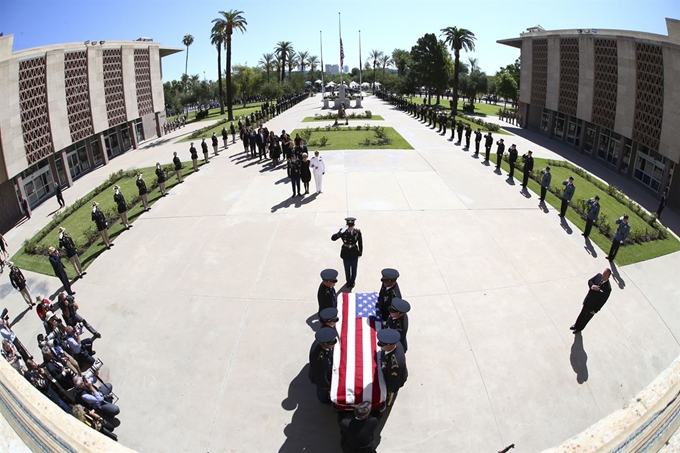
x=111, y=143
x=558, y=130
x=627, y=152
x=125, y=133
x=38, y=182
x=76, y=155
x=648, y=169
x=589, y=141
x=574, y=131
x=545, y=120
x=139, y=127
x=96, y=151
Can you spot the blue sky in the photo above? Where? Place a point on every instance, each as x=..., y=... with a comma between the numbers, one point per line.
x=384, y=25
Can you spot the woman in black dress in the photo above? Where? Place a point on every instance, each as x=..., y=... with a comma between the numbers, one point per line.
x=305, y=173
x=274, y=148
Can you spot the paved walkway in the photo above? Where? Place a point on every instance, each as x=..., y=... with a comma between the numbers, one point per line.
x=206, y=306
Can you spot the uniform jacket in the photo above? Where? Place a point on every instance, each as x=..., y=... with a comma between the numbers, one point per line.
x=66, y=243
x=568, y=190
x=214, y=140
x=528, y=162
x=177, y=162
x=400, y=325
x=545, y=181
x=478, y=136
x=501, y=148
x=16, y=277
x=512, y=155
x=120, y=201
x=225, y=134
x=160, y=174
x=488, y=141
x=204, y=147
x=318, y=165
x=385, y=297
x=352, y=244
x=594, y=210
x=622, y=231
x=595, y=300
x=99, y=219
x=141, y=185
x=327, y=297
x=393, y=366
x=357, y=435
x=320, y=365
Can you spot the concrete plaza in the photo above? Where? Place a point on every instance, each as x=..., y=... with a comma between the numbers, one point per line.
x=206, y=306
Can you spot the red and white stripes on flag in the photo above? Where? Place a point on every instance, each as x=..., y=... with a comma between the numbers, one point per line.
x=357, y=376
x=342, y=55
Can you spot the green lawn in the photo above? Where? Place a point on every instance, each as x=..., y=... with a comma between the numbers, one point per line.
x=311, y=119
x=80, y=221
x=609, y=207
x=481, y=109
x=214, y=115
x=353, y=139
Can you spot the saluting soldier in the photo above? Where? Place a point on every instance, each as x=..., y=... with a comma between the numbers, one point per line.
x=388, y=291
x=122, y=206
x=468, y=133
x=593, y=213
x=392, y=363
x=321, y=362
x=499, y=153
x=478, y=140
x=488, y=142
x=141, y=185
x=326, y=296
x=512, y=158
x=66, y=243
x=352, y=248
x=459, y=130
x=398, y=319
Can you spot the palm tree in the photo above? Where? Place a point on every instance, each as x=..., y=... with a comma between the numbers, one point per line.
x=313, y=62
x=231, y=20
x=267, y=63
x=458, y=38
x=474, y=64
x=216, y=39
x=303, y=60
x=385, y=60
x=375, y=56
x=292, y=61
x=277, y=66
x=400, y=60
x=283, y=49
x=187, y=41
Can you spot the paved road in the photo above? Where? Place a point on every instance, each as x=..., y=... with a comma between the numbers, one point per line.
x=205, y=306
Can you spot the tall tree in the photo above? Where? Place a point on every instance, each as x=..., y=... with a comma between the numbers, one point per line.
x=474, y=64
x=303, y=60
x=217, y=40
x=375, y=56
x=313, y=62
x=292, y=61
x=431, y=64
x=228, y=22
x=267, y=63
x=283, y=49
x=400, y=59
x=458, y=38
x=506, y=87
x=385, y=61
x=187, y=41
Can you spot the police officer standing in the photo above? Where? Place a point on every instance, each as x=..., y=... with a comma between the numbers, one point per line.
x=352, y=248
x=569, y=189
x=392, y=363
x=388, y=291
x=321, y=362
x=621, y=235
x=593, y=213
x=398, y=319
x=326, y=296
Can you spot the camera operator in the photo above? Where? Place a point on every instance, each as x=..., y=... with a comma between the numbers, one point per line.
x=10, y=353
x=98, y=400
x=54, y=344
x=94, y=421
x=39, y=378
x=69, y=309
x=53, y=324
x=61, y=373
x=7, y=334
x=81, y=350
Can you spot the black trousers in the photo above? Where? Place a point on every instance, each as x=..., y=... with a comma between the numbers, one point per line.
x=543, y=191
x=589, y=226
x=563, y=207
x=351, y=265
x=467, y=142
x=614, y=249
x=499, y=159
x=477, y=147
x=488, y=151
x=65, y=282
x=512, y=170
x=583, y=318
x=525, y=179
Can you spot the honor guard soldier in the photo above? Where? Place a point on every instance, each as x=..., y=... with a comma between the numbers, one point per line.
x=352, y=248
x=321, y=362
x=392, y=363
x=398, y=319
x=328, y=317
x=326, y=295
x=388, y=291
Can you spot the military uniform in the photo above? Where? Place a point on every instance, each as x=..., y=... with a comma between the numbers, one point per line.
x=386, y=294
x=321, y=362
x=569, y=190
x=392, y=363
x=528, y=167
x=488, y=142
x=512, y=158
x=499, y=153
x=396, y=322
x=326, y=296
x=352, y=248
x=478, y=140
x=468, y=134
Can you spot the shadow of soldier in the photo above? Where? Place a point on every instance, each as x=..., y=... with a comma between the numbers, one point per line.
x=578, y=359
x=313, y=426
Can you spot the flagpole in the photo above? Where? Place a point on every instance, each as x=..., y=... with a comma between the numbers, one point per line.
x=323, y=84
x=360, y=64
x=340, y=36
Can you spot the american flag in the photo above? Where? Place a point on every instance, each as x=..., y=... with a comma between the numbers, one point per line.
x=342, y=54
x=357, y=376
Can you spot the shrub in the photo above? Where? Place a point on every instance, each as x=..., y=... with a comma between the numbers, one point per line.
x=368, y=114
x=366, y=142
x=323, y=141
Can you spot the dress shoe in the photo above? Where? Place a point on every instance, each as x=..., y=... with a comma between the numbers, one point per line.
x=572, y=328
x=97, y=335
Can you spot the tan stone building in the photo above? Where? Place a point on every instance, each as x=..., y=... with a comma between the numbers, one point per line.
x=69, y=108
x=612, y=94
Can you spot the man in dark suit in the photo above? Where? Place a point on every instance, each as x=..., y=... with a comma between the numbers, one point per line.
x=260, y=143
x=595, y=299
x=59, y=270
x=499, y=153
x=357, y=433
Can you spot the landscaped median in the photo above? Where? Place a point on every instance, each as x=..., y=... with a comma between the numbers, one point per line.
x=352, y=137
x=77, y=220
x=648, y=238
x=331, y=116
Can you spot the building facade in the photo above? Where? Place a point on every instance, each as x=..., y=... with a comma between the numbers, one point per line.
x=67, y=109
x=611, y=94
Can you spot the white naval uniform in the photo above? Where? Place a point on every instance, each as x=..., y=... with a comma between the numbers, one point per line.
x=318, y=169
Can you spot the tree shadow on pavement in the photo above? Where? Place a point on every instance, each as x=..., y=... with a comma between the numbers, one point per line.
x=578, y=359
x=313, y=426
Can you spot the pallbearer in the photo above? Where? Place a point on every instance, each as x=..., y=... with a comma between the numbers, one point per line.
x=321, y=362
x=398, y=319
